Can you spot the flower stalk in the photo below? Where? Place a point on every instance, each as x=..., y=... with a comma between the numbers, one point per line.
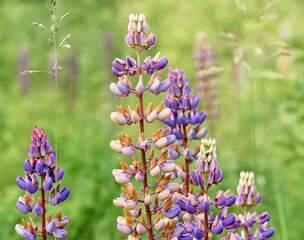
x=42, y=164
x=154, y=198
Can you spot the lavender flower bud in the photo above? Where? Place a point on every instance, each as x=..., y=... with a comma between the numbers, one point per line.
x=118, y=118
x=65, y=192
x=198, y=231
x=114, y=89
x=50, y=227
x=123, y=88
x=168, y=167
x=47, y=184
x=148, y=199
x=60, y=233
x=20, y=230
x=202, y=133
x=151, y=117
x=122, y=178
x=229, y=220
x=31, y=187
x=154, y=172
x=140, y=88
x=267, y=233
x=139, y=177
x=130, y=204
x=230, y=200
x=41, y=167
x=164, y=85
x=29, y=235
x=160, y=64
x=163, y=195
x=124, y=229
x=128, y=151
x=173, y=212
x=159, y=225
x=172, y=187
x=22, y=206
x=59, y=174
x=204, y=206
x=164, y=114
x=116, y=146
x=28, y=167
x=141, y=229
x=262, y=218
x=217, y=228
x=38, y=210
x=21, y=182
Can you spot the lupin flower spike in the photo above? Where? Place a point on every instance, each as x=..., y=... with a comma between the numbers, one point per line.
x=41, y=165
x=206, y=73
x=184, y=122
x=247, y=198
x=155, y=198
x=199, y=222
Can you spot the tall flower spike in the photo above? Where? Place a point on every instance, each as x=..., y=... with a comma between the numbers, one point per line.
x=42, y=164
x=155, y=198
x=206, y=73
x=184, y=121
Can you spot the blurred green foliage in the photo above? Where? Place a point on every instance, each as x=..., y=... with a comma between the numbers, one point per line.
x=261, y=126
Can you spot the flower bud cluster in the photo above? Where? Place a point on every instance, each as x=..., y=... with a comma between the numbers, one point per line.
x=137, y=37
x=247, y=198
x=130, y=116
x=207, y=171
x=247, y=191
x=206, y=73
x=183, y=107
x=198, y=219
x=41, y=164
x=150, y=65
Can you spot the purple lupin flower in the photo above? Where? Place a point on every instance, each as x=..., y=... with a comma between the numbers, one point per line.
x=155, y=198
x=184, y=121
x=41, y=165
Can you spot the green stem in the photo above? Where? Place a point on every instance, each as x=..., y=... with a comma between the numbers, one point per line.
x=56, y=86
x=246, y=229
x=252, y=119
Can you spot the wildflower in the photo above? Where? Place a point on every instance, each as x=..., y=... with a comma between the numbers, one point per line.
x=41, y=165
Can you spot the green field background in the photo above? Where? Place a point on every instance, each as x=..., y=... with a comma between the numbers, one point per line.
x=261, y=122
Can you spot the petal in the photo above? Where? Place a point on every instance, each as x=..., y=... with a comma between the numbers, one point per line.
x=22, y=207
x=21, y=182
